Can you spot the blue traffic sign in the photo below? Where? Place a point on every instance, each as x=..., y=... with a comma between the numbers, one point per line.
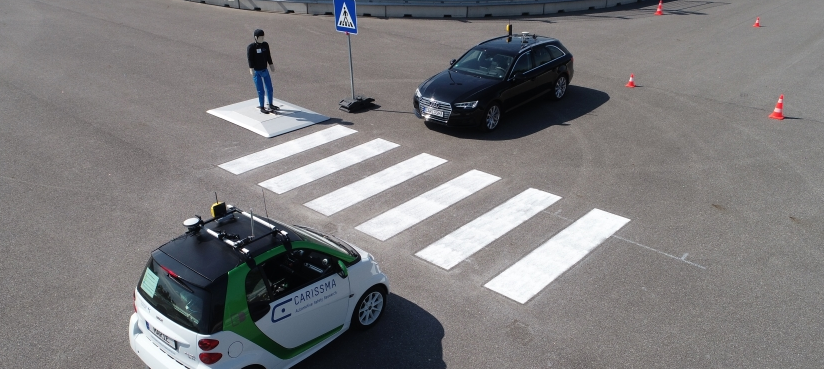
x=346, y=19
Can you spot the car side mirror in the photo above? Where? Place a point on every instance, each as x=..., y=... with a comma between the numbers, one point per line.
x=343, y=272
x=517, y=76
x=451, y=62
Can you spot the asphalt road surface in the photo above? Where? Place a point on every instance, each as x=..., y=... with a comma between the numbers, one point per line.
x=106, y=147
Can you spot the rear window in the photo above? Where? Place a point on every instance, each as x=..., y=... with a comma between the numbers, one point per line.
x=182, y=302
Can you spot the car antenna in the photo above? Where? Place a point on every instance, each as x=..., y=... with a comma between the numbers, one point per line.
x=263, y=192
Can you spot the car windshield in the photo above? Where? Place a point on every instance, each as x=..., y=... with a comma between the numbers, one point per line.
x=483, y=62
x=182, y=302
x=325, y=239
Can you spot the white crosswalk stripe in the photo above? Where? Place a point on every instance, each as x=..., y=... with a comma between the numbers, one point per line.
x=539, y=268
x=327, y=166
x=354, y=193
x=520, y=282
x=286, y=149
x=416, y=210
x=475, y=235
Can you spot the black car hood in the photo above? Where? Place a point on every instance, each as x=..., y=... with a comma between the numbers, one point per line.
x=454, y=87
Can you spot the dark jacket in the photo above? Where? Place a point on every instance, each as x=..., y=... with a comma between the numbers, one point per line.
x=258, y=55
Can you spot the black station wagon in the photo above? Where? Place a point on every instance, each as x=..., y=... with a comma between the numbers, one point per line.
x=494, y=77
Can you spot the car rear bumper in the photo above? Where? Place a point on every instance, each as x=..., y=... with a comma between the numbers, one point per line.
x=147, y=351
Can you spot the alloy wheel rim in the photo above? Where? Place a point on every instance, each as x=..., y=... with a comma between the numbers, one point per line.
x=370, y=308
x=560, y=87
x=492, y=117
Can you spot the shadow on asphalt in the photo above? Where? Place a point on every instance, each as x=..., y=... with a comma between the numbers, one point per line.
x=407, y=336
x=536, y=116
x=335, y=121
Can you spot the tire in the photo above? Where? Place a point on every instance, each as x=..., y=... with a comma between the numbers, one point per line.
x=559, y=88
x=492, y=118
x=369, y=309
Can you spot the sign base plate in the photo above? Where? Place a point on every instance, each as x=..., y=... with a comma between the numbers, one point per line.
x=357, y=104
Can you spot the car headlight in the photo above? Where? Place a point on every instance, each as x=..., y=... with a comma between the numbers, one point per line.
x=467, y=105
x=418, y=92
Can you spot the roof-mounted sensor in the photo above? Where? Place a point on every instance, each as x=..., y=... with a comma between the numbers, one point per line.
x=193, y=224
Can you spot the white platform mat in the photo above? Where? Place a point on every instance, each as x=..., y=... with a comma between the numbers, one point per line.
x=289, y=118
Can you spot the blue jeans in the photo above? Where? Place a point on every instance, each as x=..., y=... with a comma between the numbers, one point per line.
x=262, y=77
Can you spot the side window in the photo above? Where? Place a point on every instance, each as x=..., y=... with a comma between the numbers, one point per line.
x=523, y=64
x=292, y=270
x=555, y=52
x=542, y=55
x=257, y=294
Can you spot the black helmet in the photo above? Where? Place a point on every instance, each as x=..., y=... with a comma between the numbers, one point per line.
x=258, y=32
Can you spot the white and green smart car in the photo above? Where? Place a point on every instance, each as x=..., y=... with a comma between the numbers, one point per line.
x=243, y=291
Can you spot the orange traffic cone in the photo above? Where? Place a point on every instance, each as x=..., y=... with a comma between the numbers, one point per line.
x=631, y=83
x=660, y=8
x=757, y=22
x=778, y=113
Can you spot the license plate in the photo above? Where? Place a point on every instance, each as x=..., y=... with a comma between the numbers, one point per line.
x=430, y=111
x=162, y=336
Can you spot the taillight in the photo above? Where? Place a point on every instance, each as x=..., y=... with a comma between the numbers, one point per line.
x=134, y=299
x=207, y=344
x=210, y=357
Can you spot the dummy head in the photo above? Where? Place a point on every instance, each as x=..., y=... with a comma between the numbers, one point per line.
x=259, y=35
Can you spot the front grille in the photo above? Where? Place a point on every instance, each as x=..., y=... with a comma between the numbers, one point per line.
x=435, y=104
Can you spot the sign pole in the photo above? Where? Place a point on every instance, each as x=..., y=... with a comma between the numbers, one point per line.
x=346, y=21
x=351, y=73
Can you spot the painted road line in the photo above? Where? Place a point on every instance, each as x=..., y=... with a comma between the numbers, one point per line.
x=327, y=166
x=475, y=235
x=539, y=268
x=354, y=193
x=286, y=149
x=416, y=210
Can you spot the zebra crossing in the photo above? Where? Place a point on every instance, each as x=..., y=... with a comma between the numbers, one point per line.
x=426, y=205
x=370, y=186
x=475, y=235
x=520, y=282
x=327, y=166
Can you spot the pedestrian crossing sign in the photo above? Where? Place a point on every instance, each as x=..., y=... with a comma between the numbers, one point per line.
x=346, y=16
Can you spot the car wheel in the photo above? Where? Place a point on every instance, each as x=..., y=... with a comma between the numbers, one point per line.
x=492, y=118
x=560, y=88
x=369, y=308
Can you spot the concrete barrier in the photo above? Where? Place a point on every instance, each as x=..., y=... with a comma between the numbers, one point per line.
x=574, y=6
x=426, y=8
x=273, y=6
x=504, y=10
x=372, y=10
x=226, y=3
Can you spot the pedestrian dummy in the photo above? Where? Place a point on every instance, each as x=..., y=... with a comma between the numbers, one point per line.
x=259, y=58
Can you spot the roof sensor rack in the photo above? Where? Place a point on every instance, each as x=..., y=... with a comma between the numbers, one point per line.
x=224, y=213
